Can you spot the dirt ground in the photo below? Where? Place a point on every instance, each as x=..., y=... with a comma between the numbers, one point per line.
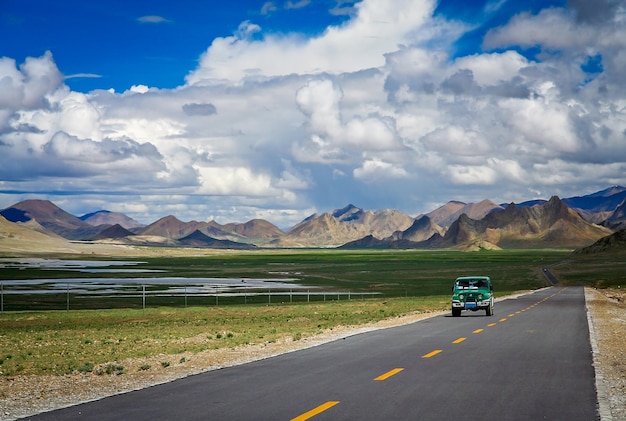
x=21, y=396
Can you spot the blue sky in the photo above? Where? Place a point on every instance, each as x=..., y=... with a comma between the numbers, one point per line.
x=152, y=43
x=279, y=109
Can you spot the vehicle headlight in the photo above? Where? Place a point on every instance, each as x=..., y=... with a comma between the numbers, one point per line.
x=480, y=297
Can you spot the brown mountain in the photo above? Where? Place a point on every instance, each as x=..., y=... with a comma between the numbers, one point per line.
x=50, y=217
x=255, y=229
x=340, y=226
x=105, y=217
x=28, y=236
x=552, y=224
x=445, y=215
x=172, y=227
x=114, y=231
x=251, y=232
x=421, y=230
x=199, y=239
x=423, y=233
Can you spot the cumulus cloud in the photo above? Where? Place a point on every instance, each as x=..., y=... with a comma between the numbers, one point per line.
x=361, y=43
x=373, y=108
x=320, y=101
x=26, y=87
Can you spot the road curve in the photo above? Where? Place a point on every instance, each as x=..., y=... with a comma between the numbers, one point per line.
x=532, y=360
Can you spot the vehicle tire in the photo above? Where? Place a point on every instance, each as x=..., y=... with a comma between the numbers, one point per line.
x=489, y=310
x=456, y=312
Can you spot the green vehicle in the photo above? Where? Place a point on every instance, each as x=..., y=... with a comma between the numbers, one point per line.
x=472, y=293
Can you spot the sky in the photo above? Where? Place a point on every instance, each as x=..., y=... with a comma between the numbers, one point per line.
x=230, y=111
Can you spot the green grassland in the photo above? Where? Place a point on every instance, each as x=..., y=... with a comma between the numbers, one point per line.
x=60, y=342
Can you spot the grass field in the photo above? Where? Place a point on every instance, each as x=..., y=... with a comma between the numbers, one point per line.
x=390, y=273
x=60, y=342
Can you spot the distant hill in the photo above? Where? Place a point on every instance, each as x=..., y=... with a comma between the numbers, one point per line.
x=171, y=227
x=105, y=217
x=610, y=243
x=604, y=200
x=255, y=229
x=50, y=217
x=114, y=231
x=198, y=239
x=24, y=236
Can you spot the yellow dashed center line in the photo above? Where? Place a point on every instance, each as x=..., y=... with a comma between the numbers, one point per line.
x=385, y=376
x=315, y=411
x=388, y=374
x=432, y=354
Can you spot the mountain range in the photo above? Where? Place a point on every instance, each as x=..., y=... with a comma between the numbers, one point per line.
x=571, y=222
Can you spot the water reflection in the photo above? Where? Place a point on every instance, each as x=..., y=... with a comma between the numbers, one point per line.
x=104, y=285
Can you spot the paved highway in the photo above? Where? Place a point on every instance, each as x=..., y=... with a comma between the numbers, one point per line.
x=530, y=361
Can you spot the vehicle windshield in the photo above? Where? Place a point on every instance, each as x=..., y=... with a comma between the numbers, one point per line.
x=471, y=284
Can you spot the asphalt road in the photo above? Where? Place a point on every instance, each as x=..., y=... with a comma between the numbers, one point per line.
x=530, y=361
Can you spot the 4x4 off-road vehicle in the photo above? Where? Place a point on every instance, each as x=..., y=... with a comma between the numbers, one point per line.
x=472, y=293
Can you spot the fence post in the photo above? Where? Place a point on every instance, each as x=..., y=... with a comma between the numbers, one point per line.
x=67, y=308
x=269, y=296
x=185, y=296
x=1, y=297
x=143, y=296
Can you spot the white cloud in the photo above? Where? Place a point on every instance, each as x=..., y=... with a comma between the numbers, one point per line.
x=379, y=27
x=478, y=174
x=548, y=125
x=374, y=170
x=26, y=87
x=282, y=126
x=332, y=138
x=493, y=69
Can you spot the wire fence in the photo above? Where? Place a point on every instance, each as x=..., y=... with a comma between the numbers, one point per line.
x=75, y=296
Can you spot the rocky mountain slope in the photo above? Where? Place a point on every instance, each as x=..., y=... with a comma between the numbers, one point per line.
x=450, y=212
x=615, y=242
x=466, y=226
x=332, y=229
x=552, y=224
